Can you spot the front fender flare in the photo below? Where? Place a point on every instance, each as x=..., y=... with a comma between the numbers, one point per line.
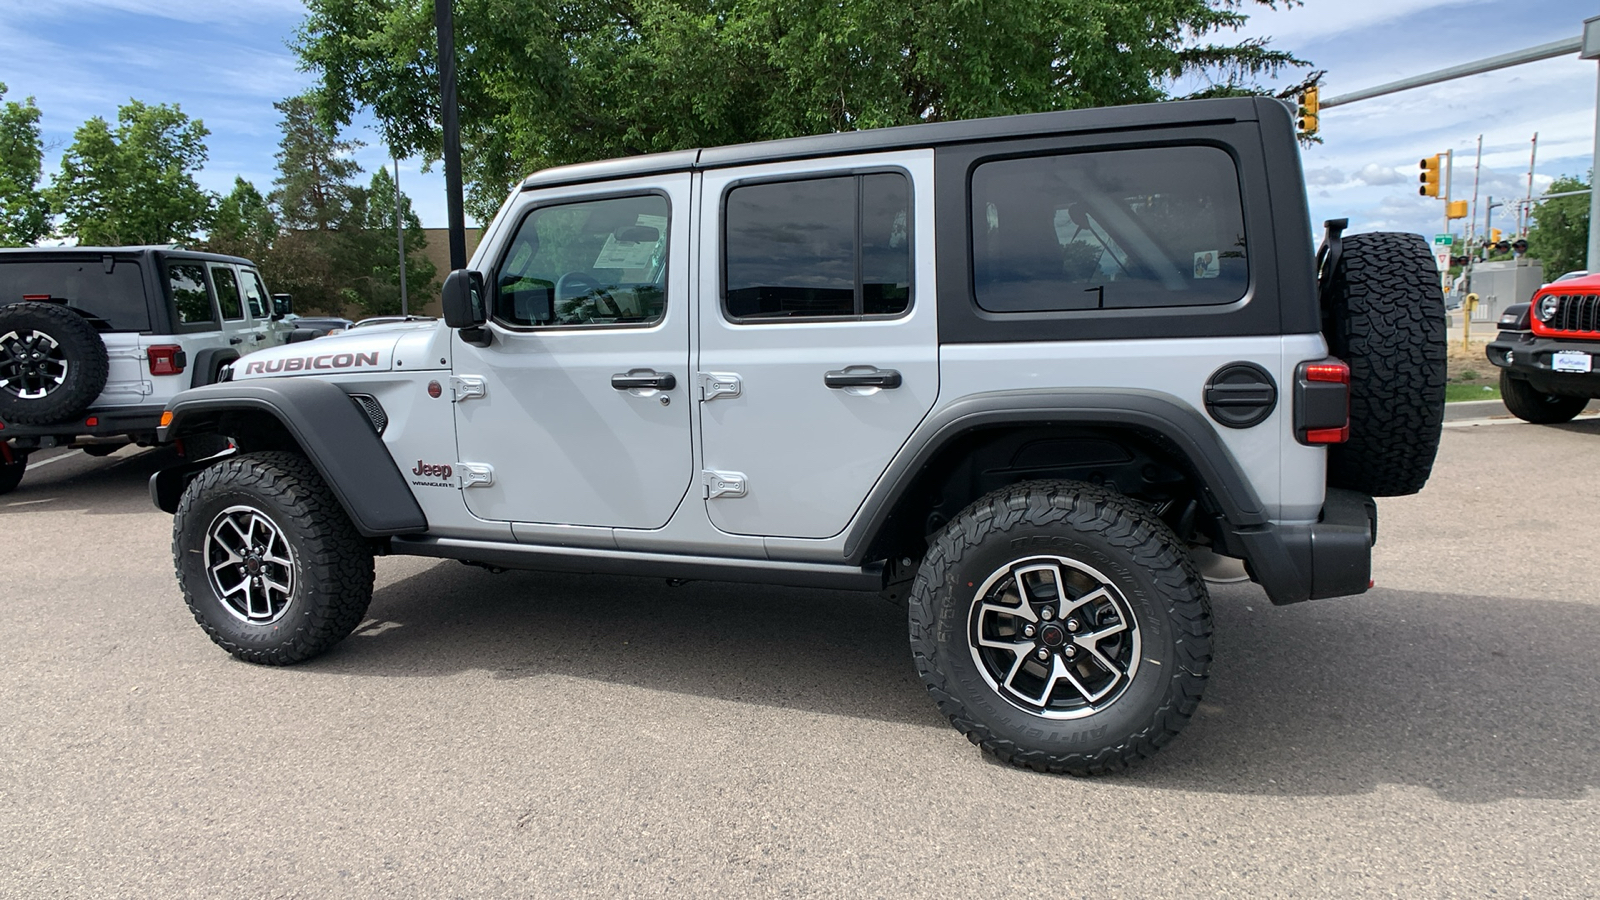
x=329, y=428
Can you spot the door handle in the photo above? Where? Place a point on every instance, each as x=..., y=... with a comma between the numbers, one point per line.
x=235, y=340
x=637, y=379
x=862, y=376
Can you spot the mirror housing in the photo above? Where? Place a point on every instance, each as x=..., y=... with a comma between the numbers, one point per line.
x=282, y=306
x=463, y=299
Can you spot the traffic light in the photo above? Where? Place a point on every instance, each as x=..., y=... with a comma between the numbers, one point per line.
x=1309, y=107
x=1456, y=209
x=1429, y=177
x=1494, y=233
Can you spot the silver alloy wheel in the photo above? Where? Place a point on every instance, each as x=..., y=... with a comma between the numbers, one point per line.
x=250, y=565
x=32, y=364
x=1054, y=637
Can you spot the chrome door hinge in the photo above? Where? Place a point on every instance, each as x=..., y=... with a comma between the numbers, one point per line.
x=722, y=484
x=465, y=387
x=719, y=384
x=475, y=474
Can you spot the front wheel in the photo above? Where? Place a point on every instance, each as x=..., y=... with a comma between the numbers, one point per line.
x=1532, y=405
x=270, y=565
x=1061, y=627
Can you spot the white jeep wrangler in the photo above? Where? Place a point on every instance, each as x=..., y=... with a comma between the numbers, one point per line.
x=1022, y=373
x=95, y=341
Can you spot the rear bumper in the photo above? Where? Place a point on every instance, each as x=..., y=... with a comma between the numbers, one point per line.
x=1331, y=558
x=1528, y=358
x=131, y=421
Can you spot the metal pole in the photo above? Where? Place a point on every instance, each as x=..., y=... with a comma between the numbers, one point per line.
x=1527, y=202
x=400, y=240
x=1477, y=170
x=445, y=24
x=1504, y=60
x=1449, y=176
x=1593, y=261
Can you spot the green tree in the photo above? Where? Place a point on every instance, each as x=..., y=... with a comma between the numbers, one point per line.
x=375, y=289
x=316, y=257
x=1560, y=233
x=243, y=224
x=24, y=214
x=545, y=84
x=133, y=184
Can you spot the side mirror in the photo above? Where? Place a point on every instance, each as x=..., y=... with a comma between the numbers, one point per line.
x=281, y=306
x=463, y=299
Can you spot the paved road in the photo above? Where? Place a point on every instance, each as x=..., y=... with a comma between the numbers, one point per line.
x=541, y=735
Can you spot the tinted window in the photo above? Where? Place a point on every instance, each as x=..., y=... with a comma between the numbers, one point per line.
x=227, y=292
x=1110, y=230
x=255, y=294
x=189, y=293
x=113, y=300
x=819, y=247
x=600, y=262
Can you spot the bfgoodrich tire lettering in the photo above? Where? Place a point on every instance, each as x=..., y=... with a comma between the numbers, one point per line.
x=268, y=518
x=1103, y=543
x=1387, y=322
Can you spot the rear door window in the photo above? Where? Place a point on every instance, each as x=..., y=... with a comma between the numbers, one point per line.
x=228, y=297
x=190, y=295
x=1147, y=227
x=255, y=294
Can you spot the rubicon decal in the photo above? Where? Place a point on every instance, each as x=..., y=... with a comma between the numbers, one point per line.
x=326, y=361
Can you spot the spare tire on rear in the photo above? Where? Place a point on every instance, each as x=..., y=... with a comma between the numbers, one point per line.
x=52, y=363
x=1386, y=318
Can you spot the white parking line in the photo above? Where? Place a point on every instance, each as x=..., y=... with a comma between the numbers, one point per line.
x=45, y=462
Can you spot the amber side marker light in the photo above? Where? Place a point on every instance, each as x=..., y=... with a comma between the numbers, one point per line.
x=166, y=418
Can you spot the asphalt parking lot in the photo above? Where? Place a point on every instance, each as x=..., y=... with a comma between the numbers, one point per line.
x=548, y=735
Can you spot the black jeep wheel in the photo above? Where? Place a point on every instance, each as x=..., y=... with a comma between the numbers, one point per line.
x=1061, y=627
x=52, y=363
x=269, y=563
x=1532, y=405
x=1387, y=321
x=11, y=472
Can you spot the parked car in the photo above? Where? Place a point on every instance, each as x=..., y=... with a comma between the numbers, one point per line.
x=1546, y=351
x=308, y=327
x=95, y=341
x=1018, y=373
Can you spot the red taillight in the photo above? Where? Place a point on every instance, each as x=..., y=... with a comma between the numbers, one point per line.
x=92, y=422
x=166, y=359
x=36, y=297
x=1328, y=435
x=1331, y=373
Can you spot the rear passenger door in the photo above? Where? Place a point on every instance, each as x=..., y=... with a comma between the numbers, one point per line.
x=241, y=332
x=818, y=340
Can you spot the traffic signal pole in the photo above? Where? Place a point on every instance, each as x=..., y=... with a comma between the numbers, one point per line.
x=445, y=23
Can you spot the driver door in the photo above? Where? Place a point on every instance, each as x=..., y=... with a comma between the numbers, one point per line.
x=579, y=407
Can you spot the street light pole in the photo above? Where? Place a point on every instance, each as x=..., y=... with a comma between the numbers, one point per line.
x=400, y=240
x=1591, y=50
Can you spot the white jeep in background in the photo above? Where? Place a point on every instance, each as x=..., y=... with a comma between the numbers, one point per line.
x=94, y=342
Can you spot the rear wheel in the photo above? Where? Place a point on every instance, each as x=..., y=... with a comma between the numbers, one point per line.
x=1531, y=405
x=269, y=563
x=1062, y=628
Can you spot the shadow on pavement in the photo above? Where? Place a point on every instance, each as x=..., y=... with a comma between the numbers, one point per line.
x=115, y=485
x=1477, y=699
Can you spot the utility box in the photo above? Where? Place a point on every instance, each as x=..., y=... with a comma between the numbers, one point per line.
x=1500, y=284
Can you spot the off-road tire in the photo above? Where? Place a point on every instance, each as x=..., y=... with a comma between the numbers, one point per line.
x=1143, y=560
x=1387, y=320
x=76, y=344
x=332, y=564
x=1532, y=405
x=11, y=472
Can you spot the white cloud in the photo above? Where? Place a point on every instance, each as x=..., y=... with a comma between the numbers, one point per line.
x=1374, y=174
x=1324, y=176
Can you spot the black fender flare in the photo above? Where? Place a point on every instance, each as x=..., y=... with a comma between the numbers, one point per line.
x=330, y=429
x=1146, y=411
x=207, y=361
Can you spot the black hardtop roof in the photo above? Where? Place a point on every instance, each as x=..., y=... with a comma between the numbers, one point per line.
x=1099, y=119
x=158, y=251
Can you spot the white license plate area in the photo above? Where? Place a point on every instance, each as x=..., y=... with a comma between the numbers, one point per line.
x=1571, y=361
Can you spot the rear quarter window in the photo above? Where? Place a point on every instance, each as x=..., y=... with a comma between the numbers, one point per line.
x=1122, y=229
x=190, y=295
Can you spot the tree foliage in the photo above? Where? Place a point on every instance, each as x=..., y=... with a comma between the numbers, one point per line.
x=242, y=224
x=376, y=287
x=545, y=84
x=24, y=214
x=1560, y=233
x=133, y=184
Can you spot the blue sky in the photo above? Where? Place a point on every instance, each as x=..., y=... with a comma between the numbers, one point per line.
x=226, y=63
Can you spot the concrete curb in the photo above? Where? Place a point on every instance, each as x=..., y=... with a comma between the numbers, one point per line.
x=1488, y=409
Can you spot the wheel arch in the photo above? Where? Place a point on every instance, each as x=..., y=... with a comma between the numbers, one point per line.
x=208, y=362
x=312, y=417
x=1150, y=426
